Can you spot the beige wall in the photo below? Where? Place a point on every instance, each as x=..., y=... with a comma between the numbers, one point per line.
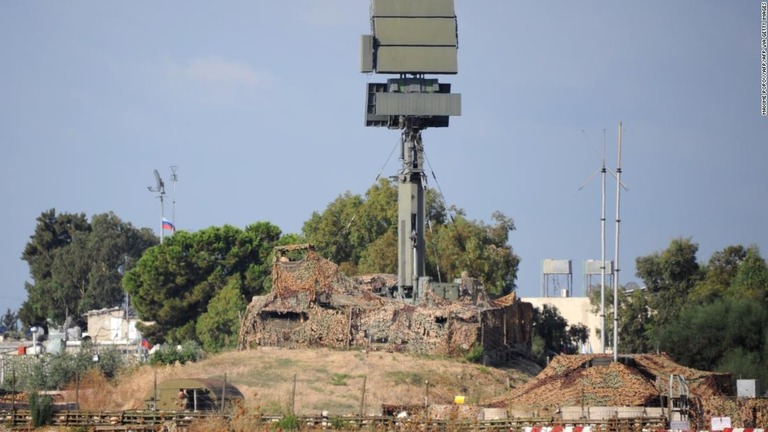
x=111, y=326
x=575, y=310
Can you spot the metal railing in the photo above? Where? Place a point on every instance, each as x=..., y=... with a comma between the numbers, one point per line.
x=145, y=420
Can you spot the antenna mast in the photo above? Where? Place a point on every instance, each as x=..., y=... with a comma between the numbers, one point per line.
x=411, y=103
x=616, y=266
x=160, y=190
x=602, y=254
x=174, y=179
x=603, y=171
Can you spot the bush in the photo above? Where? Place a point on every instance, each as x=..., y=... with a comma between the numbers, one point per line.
x=289, y=422
x=189, y=351
x=475, y=354
x=41, y=409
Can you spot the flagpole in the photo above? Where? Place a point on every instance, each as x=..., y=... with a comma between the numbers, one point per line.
x=162, y=218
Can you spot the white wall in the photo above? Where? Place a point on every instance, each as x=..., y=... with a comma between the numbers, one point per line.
x=576, y=310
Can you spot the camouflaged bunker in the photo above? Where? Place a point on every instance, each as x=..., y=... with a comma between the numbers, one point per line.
x=313, y=305
x=194, y=394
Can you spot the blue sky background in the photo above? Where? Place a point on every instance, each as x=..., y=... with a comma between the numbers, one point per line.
x=260, y=105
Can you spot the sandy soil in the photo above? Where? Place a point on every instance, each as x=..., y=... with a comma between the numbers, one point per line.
x=326, y=380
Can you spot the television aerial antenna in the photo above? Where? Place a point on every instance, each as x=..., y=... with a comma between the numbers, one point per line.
x=160, y=190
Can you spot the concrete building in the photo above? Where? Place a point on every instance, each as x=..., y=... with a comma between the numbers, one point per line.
x=576, y=310
x=112, y=327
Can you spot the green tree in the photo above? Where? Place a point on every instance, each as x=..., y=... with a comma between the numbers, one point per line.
x=52, y=233
x=720, y=328
x=751, y=279
x=173, y=283
x=719, y=274
x=78, y=265
x=634, y=322
x=360, y=234
x=669, y=277
x=10, y=320
x=634, y=318
x=477, y=248
x=218, y=327
x=332, y=231
x=552, y=334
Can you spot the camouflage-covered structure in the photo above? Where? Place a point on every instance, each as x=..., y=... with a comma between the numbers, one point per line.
x=312, y=304
x=194, y=394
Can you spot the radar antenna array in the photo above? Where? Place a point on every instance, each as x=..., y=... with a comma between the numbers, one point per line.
x=410, y=39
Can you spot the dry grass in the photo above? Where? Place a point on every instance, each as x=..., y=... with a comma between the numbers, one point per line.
x=326, y=380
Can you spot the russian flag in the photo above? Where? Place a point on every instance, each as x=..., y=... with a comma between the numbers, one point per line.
x=167, y=225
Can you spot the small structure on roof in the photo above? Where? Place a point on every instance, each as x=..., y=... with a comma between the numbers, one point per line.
x=194, y=394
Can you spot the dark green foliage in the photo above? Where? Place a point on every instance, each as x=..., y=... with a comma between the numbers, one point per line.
x=360, y=234
x=10, y=320
x=78, y=265
x=751, y=279
x=218, y=326
x=111, y=362
x=670, y=277
x=719, y=274
x=52, y=372
x=552, y=335
x=288, y=423
x=710, y=318
x=720, y=327
x=475, y=354
x=189, y=351
x=174, y=282
x=41, y=409
x=634, y=319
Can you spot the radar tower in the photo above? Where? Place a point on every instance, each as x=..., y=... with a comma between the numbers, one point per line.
x=411, y=39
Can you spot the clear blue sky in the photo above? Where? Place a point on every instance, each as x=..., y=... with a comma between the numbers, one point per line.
x=260, y=104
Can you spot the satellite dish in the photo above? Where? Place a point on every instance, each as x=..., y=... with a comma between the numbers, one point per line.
x=159, y=185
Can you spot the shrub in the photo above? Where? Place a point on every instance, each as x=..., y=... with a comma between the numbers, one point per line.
x=289, y=422
x=189, y=351
x=41, y=409
x=475, y=354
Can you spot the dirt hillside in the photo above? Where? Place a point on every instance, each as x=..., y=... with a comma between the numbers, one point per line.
x=325, y=380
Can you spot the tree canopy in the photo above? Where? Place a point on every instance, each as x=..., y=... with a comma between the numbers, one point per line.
x=360, y=234
x=77, y=265
x=174, y=282
x=723, y=303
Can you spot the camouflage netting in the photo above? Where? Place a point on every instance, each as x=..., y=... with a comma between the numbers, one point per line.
x=312, y=304
x=595, y=380
x=743, y=412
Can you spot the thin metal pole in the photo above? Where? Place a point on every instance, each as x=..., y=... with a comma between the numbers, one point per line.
x=602, y=255
x=154, y=400
x=224, y=393
x=616, y=259
x=174, y=178
x=162, y=216
x=293, y=396
x=362, y=397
